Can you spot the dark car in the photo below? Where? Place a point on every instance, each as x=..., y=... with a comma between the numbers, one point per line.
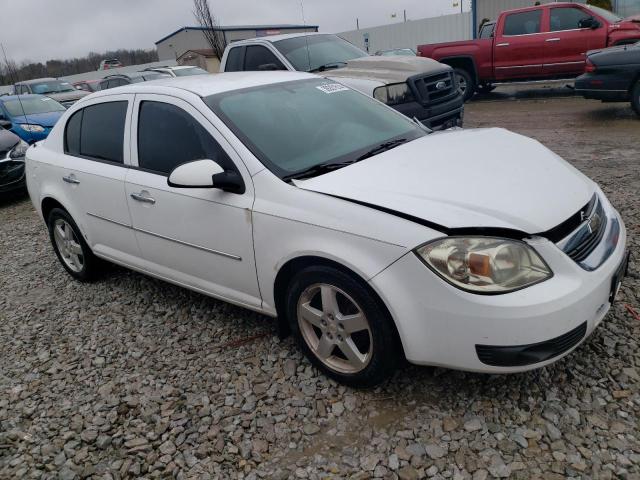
x=12, y=151
x=612, y=75
x=120, y=79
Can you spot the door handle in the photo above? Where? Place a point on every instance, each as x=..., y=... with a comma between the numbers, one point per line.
x=140, y=197
x=552, y=40
x=506, y=44
x=71, y=179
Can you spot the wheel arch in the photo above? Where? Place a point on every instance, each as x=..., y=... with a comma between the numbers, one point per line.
x=47, y=204
x=294, y=265
x=465, y=62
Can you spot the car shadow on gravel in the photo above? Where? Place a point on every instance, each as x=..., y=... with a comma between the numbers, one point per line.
x=10, y=199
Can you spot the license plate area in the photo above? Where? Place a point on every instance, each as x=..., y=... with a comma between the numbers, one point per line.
x=619, y=274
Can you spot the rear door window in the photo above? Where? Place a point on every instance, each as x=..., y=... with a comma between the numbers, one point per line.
x=234, y=60
x=522, y=23
x=97, y=132
x=258, y=57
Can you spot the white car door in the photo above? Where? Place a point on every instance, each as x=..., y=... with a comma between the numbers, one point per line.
x=93, y=169
x=197, y=237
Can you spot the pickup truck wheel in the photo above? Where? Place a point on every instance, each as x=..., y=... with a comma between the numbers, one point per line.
x=341, y=327
x=635, y=97
x=73, y=252
x=466, y=84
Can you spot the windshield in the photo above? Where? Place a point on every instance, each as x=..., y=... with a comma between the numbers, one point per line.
x=52, y=86
x=184, y=72
x=323, y=50
x=606, y=14
x=293, y=126
x=32, y=104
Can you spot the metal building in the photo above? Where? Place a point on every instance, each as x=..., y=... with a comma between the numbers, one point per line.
x=192, y=38
x=411, y=33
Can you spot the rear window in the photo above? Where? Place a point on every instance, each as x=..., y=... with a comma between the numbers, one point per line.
x=522, y=23
x=97, y=132
x=234, y=60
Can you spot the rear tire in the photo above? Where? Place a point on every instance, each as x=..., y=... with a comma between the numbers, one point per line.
x=341, y=326
x=466, y=83
x=73, y=252
x=635, y=97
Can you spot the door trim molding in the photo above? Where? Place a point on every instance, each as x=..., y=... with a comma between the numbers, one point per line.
x=181, y=242
x=193, y=245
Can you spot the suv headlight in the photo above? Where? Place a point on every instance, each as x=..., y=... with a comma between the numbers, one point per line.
x=19, y=151
x=394, y=94
x=485, y=264
x=32, y=128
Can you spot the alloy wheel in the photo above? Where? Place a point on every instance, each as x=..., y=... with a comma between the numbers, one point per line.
x=68, y=245
x=335, y=328
x=462, y=83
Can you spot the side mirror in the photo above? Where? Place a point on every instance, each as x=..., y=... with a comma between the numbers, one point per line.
x=590, y=22
x=5, y=123
x=205, y=174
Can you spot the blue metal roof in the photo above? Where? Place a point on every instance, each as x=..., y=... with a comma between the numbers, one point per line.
x=241, y=28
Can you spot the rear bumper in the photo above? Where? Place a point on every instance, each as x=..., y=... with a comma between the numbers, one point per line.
x=600, y=87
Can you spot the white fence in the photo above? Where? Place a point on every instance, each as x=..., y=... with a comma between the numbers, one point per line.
x=412, y=33
x=96, y=75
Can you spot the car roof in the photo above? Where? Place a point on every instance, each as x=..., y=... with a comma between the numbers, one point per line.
x=205, y=85
x=36, y=80
x=17, y=97
x=276, y=38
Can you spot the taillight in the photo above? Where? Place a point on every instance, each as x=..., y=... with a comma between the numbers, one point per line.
x=589, y=66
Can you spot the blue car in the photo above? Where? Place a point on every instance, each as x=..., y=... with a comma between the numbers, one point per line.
x=29, y=116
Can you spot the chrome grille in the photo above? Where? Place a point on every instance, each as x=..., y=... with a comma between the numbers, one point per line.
x=433, y=89
x=579, y=245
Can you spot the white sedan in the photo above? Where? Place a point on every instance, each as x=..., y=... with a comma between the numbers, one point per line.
x=365, y=235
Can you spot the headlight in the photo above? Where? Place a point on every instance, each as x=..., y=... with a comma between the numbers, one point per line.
x=19, y=150
x=485, y=264
x=394, y=94
x=31, y=128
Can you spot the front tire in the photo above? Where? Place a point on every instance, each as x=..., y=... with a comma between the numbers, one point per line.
x=73, y=252
x=635, y=97
x=341, y=326
x=466, y=83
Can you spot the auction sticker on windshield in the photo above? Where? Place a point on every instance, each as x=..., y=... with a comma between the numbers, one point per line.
x=332, y=88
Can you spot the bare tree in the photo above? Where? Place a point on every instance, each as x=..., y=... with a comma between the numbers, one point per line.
x=214, y=37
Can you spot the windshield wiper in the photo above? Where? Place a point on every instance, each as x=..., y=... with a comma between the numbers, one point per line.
x=316, y=170
x=329, y=167
x=328, y=66
x=383, y=147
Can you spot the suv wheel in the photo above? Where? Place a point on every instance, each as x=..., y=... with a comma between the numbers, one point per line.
x=635, y=97
x=73, y=252
x=466, y=84
x=341, y=327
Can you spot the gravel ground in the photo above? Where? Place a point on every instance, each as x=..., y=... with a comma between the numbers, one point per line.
x=130, y=376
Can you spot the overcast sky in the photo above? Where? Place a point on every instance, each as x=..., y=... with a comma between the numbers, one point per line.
x=38, y=30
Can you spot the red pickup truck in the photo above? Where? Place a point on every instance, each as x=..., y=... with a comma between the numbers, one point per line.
x=540, y=42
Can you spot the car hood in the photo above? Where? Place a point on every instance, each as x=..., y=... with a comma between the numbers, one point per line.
x=387, y=69
x=66, y=96
x=47, y=119
x=466, y=178
x=8, y=140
